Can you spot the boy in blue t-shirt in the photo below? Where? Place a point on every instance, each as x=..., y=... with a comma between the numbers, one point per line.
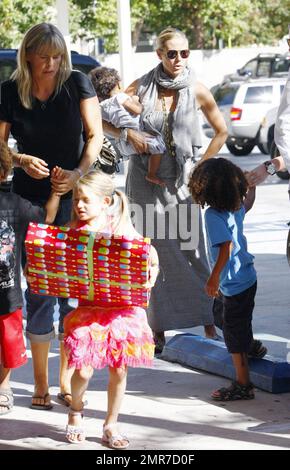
x=222, y=186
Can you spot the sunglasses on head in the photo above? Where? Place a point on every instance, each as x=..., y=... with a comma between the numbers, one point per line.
x=172, y=54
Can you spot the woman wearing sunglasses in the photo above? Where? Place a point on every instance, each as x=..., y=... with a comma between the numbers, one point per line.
x=171, y=96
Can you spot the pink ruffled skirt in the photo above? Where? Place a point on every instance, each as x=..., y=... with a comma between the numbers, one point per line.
x=115, y=337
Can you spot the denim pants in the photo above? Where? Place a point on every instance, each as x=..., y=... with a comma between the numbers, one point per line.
x=40, y=308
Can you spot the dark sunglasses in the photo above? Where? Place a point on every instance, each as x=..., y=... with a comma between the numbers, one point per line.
x=288, y=41
x=172, y=54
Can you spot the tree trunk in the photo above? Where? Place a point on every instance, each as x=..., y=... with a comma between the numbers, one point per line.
x=194, y=22
x=197, y=30
x=136, y=33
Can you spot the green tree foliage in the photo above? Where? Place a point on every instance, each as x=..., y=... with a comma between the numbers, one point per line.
x=205, y=22
x=236, y=22
x=92, y=19
x=16, y=16
x=277, y=13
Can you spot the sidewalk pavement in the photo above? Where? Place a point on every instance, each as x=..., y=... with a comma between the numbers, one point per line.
x=168, y=406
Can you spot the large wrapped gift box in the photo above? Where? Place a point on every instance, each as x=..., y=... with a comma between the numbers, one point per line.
x=85, y=265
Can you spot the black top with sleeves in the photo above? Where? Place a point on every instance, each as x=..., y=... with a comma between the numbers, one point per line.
x=51, y=130
x=15, y=214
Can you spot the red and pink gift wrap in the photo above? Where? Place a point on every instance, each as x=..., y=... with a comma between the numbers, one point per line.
x=80, y=264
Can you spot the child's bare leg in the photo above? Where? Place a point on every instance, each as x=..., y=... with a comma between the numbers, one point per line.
x=241, y=388
x=153, y=167
x=4, y=377
x=4, y=385
x=210, y=331
x=116, y=392
x=65, y=374
x=240, y=361
x=79, y=383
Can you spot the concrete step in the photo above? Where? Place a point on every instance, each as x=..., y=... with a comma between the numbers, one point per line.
x=269, y=374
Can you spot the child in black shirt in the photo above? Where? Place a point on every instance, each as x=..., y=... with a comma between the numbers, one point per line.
x=15, y=214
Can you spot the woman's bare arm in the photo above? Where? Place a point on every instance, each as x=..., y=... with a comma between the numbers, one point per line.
x=259, y=173
x=33, y=166
x=92, y=122
x=215, y=118
x=133, y=105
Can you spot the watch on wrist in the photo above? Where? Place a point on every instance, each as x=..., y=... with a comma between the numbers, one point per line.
x=270, y=168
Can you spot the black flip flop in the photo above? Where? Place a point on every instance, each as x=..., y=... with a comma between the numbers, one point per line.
x=61, y=398
x=45, y=406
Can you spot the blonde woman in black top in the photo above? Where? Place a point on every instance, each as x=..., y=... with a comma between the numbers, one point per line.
x=46, y=107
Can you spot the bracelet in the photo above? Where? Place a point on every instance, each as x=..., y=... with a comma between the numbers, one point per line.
x=123, y=134
x=80, y=172
x=21, y=155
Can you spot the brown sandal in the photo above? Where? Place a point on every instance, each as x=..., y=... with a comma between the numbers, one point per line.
x=7, y=394
x=64, y=401
x=235, y=391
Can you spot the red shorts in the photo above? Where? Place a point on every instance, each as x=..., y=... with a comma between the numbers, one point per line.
x=12, y=347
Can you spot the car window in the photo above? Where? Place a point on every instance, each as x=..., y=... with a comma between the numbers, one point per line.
x=250, y=66
x=6, y=69
x=259, y=94
x=281, y=65
x=264, y=68
x=225, y=95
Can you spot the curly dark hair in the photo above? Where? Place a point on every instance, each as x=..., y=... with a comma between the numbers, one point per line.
x=5, y=160
x=218, y=183
x=104, y=81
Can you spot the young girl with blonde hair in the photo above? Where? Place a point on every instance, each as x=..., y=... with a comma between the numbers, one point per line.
x=95, y=336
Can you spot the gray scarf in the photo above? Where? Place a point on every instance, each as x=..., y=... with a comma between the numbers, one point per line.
x=185, y=123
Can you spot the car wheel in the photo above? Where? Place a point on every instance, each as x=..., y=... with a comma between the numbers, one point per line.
x=262, y=149
x=270, y=139
x=240, y=150
x=284, y=175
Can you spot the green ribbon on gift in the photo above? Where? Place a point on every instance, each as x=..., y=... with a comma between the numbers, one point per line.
x=135, y=285
x=57, y=275
x=90, y=259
